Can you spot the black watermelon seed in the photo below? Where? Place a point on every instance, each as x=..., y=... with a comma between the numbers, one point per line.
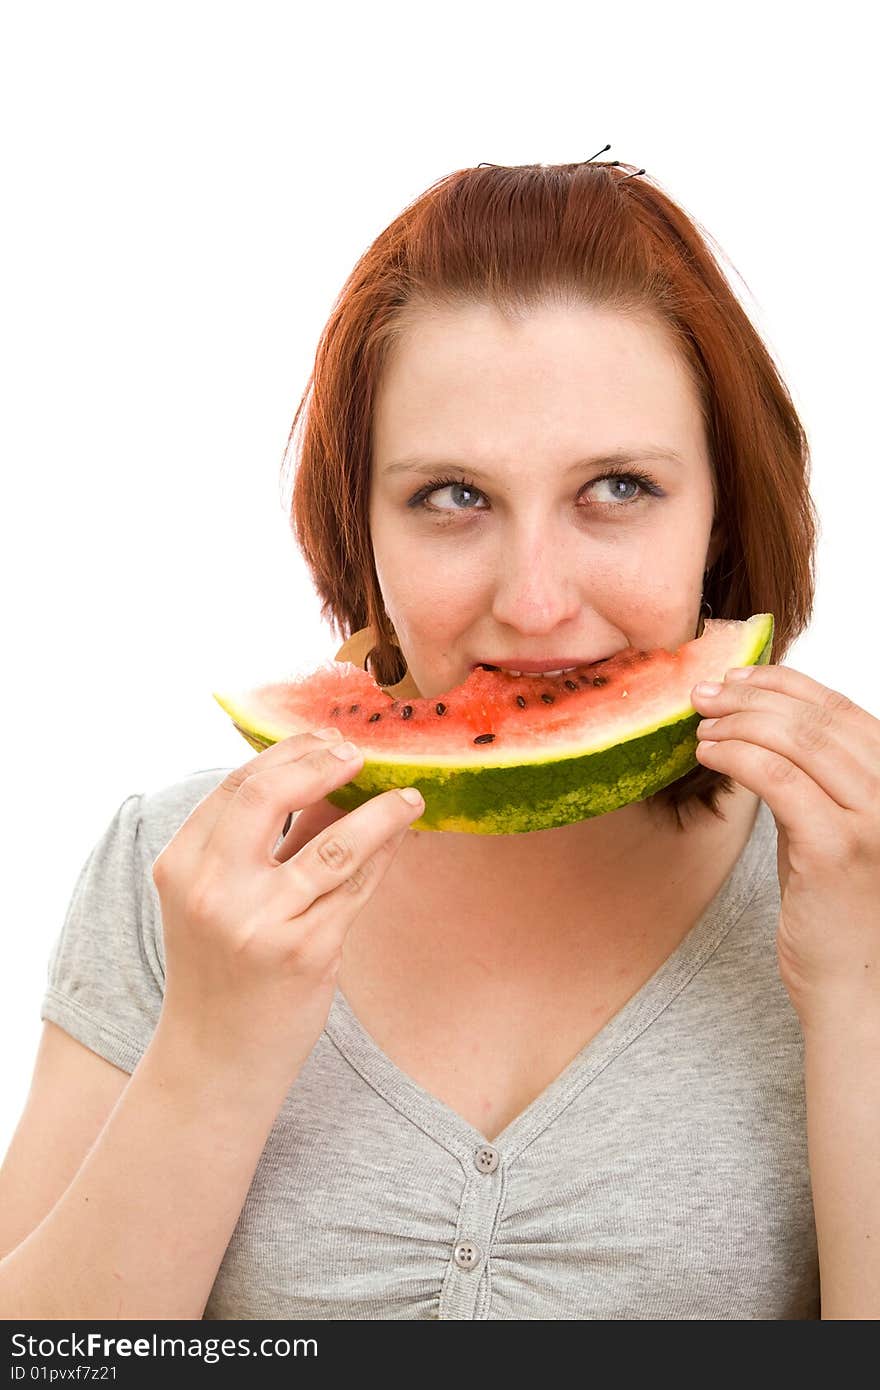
x=484, y=738
x=548, y=699
x=374, y=717
x=520, y=701
x=441, y=709
x=571, y=685
x=600, y=680
x=354, y=709
x=336, y=711
x=406, y=712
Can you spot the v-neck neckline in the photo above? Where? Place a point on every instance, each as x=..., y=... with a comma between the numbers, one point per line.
x=458, y=1135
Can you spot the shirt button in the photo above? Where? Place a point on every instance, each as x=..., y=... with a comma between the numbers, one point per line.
x=486, y=1159
x=467, y=1254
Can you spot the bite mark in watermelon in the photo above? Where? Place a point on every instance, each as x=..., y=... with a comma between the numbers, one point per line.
x=502, y=754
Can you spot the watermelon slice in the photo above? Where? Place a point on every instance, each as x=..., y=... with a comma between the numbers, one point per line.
x=502, y=754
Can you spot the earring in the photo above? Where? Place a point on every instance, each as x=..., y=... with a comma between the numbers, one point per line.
x=703, y=605
x=357, y=648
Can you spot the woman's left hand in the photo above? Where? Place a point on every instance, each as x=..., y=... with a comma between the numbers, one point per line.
x=814, y=757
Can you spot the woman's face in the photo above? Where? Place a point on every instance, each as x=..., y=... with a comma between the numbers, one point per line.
x=531, y=553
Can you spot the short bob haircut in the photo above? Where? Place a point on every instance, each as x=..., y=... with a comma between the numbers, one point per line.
x=515, y=238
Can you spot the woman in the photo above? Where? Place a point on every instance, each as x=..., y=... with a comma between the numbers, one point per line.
x=619, y=1069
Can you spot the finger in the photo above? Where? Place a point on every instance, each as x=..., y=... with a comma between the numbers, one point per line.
x=339, y=853
x=326, y=923
x=800, y=687
x=823, y=751
x=194, y=833
x=810, y=818
x=305, y=825
x=247, y=830
x=822, y=738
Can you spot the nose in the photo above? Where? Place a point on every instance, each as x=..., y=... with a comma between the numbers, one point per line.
x=537, y=586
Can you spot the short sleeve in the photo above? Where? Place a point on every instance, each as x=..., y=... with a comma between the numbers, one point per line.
x=106, y=972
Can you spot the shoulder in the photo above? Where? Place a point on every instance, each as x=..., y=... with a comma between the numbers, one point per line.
x=163, y=810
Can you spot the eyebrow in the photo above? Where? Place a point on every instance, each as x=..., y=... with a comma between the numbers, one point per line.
x=420, y=463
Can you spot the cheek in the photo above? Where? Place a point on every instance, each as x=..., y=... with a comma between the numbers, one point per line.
x=653, y=607
x=430, y=609
x=668, y=578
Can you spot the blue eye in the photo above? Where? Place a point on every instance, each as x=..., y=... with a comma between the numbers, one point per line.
x=467, y=491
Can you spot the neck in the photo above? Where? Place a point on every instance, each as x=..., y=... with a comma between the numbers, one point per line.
x=573, y=878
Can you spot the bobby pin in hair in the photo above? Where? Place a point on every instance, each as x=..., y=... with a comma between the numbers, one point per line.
x=609, y=164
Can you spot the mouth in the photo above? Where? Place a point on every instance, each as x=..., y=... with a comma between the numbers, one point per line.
x=539, y=668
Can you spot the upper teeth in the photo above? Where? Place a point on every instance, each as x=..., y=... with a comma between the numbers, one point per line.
x=539, y=673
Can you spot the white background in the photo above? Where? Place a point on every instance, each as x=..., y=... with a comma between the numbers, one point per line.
x=187, y=186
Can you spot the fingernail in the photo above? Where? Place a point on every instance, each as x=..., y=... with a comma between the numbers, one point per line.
x=707, y=688
x=738, y=673
x=412, y=795
x=329, y=734
x=344, y=750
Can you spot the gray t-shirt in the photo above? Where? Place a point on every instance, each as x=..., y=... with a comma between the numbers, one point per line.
x=662, y=1175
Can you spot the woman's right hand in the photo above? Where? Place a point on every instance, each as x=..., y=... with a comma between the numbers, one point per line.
x=253, y=942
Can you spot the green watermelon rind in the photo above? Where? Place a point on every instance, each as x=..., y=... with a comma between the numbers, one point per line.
x=538, y=795
x=535, y=796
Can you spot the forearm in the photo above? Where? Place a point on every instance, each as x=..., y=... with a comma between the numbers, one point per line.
x=142, y=1229
x=842, y=1078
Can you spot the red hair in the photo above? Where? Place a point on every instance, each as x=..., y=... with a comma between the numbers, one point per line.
x=572, y=233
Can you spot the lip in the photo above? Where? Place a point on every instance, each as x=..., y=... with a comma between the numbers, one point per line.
x=529, y=668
